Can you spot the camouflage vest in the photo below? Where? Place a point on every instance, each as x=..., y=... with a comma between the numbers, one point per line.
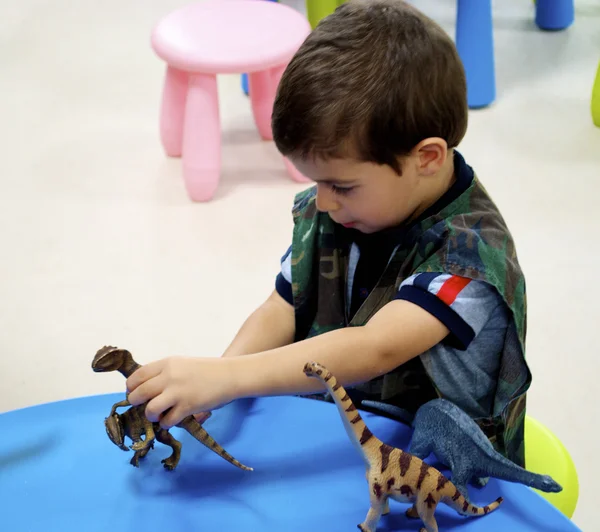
x=467, y=238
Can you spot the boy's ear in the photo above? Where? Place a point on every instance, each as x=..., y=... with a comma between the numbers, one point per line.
x=431, y=154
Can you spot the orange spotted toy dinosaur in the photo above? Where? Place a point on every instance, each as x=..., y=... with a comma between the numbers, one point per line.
x=392, y=472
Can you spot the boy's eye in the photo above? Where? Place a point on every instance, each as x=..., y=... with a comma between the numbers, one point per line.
x=341, y=190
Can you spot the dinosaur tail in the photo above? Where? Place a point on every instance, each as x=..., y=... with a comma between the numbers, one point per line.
x=504, y=469
x=355, y=426
x=453, y=498
x=197, y=431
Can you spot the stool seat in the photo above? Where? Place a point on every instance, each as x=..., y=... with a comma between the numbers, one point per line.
x=202, y=40
x=229, y=36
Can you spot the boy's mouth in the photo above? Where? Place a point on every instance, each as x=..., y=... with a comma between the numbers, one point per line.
x=349, y=225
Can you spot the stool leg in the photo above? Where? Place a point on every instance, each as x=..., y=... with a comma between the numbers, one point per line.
x=475, y=44
x=262, y=96
x=202, y=138
x=554, y=14
x=173, y=110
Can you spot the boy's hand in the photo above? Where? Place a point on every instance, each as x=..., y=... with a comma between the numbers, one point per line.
x=181, y=386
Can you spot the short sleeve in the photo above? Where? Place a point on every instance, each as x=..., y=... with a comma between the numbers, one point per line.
x=463, y=305
x=283, y=282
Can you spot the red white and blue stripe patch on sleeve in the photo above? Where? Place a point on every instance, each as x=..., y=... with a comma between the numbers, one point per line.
x=461, y=304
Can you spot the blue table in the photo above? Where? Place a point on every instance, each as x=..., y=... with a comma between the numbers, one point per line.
x=59, y=472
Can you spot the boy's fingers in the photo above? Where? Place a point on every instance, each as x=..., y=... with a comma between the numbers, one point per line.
x=202, y=417
x=172, y=417
x=146, y=391
x=158, y=406
x=142, y=374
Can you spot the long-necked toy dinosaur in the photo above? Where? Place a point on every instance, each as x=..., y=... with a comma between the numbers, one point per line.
x=134, y=423
x=392, y=472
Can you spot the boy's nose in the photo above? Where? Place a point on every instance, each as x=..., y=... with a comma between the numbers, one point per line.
x=325, y=199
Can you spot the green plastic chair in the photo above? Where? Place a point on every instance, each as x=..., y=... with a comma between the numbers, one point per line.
x=596, y=99
x=319, y=9
x=545, y=454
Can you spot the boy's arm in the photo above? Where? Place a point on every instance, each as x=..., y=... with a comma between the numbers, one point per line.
x=400, y=331
x=271, y=325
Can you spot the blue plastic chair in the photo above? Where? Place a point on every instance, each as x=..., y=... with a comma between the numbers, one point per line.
x=475, y=44
x=475, y=41
x=554, y=14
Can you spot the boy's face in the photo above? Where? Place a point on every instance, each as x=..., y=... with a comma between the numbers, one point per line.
x=365, y=196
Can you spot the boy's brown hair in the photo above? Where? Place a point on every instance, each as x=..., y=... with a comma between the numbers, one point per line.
x=371, y=81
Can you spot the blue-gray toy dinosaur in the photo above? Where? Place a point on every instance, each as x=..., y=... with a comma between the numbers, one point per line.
x=457, y=441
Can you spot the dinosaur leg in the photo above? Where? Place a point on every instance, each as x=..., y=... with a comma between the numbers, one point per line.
x=149, y=441
x=113, y=410
x=135, y=461
x=461, y=486
x=480, y=482
x=419, y=446
x=166, y=438
x=412, y=513
x=373, y=515
x=461, y=474
x=426, y=512
x=386, y=507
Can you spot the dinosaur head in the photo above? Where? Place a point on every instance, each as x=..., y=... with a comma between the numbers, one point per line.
x=312, y=369
x=111, y=359
x=114, y=429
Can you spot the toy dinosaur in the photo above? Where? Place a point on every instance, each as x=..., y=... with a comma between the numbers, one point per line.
x=133, y=422
x=392, y=472
x=458, y=442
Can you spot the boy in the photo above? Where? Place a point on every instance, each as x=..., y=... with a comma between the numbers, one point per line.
x=402, y=276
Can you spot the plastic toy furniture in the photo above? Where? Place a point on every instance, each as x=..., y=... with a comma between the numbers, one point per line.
x=475, y=41
x=475, y=38
x=554, y=14
x=315, y=10
x=545, y=454
x=199, y=41
x=245, y=85
x=319, y=9
x=596, y=99
x=475, y=44
x=307, y=475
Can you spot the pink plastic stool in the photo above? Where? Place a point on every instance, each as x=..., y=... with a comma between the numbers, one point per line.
x=198, y=42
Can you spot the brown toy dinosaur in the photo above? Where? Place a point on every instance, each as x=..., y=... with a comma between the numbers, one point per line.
x=391, y=472
x=133, y=422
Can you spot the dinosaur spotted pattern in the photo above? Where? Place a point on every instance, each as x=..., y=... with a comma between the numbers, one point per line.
x=405, y=460
x=365, y=436
x=385, y=450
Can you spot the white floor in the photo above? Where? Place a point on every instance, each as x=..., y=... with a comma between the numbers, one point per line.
x=102, y=246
